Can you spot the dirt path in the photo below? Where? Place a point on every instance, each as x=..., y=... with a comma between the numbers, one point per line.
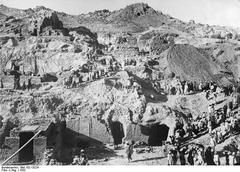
x=155, y=157
x=147, y=158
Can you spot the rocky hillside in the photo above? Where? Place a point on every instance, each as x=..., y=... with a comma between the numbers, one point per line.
x=120, y=55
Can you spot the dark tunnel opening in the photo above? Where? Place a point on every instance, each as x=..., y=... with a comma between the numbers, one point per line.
x=117, y=132
x=26, y=154
x=157, y=134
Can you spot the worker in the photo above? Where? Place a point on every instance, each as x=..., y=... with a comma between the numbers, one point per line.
x=83, y=158
x=129, y=150
x=1, y=83
x=29, y=85
x=24, y=86
x=16, y=81
x=76, y=160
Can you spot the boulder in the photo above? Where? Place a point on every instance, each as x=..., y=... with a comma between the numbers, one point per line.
x=49, y=78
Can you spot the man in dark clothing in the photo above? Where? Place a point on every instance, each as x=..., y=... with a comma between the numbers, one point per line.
x=195, y=86
x=16, y=81
x=226, y=158
x=182, y=152
x=29, y=86
x=190, y=157
x=206, y=86
x=191, y=87
x=209, y=156
x=1, y=83
x=189, y=131
x=238, y=158
x=183, y=85
x=174, y=152
x=24, y=86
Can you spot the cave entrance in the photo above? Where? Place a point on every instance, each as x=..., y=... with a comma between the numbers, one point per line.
x=26, y=154
x=117, y=132
x=157, y=134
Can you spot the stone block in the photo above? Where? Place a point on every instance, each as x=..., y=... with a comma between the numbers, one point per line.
x=134, y=133
x=39, y=146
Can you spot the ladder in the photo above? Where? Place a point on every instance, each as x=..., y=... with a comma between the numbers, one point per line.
x=4, y=162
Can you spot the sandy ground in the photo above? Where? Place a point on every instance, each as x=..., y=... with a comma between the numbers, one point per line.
x=154, y=157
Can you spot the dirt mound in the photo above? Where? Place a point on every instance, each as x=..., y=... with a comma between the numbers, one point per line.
x=227, y=55
x=189, y=63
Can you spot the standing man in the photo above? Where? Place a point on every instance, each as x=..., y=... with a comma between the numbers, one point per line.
x=182, y=158
x=29, y=85
x=186, y=88
x=170, y=157
x=16, y=80
x=24, y=86
x=1, y=83
x=129, y=150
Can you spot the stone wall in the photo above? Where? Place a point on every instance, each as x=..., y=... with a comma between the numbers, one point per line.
x=134, y=133
x=12, y=145
x=90, y=127
x=4, y=131
x=39, y=146
x=93, y=128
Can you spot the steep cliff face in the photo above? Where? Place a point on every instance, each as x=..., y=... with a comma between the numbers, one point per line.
x=43, y=19
x=41, y=55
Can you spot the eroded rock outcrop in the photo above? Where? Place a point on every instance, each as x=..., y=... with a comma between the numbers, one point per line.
x=43, y=19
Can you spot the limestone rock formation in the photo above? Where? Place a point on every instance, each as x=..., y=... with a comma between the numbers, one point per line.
x=43, y=19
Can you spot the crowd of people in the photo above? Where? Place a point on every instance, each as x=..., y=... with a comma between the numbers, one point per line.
x=220, y=124
x=81, y=159
x=198, y=154
x=177, y=87
x=26, y=85
x=15, y=71
x=129, y=62
x=90, y=72
x=78, y=159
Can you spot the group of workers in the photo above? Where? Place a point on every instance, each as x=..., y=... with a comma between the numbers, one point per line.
x=198, y=154
x=81, y=159
x=220, y=124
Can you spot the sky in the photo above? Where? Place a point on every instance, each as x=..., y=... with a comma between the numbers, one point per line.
x=213, y=12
